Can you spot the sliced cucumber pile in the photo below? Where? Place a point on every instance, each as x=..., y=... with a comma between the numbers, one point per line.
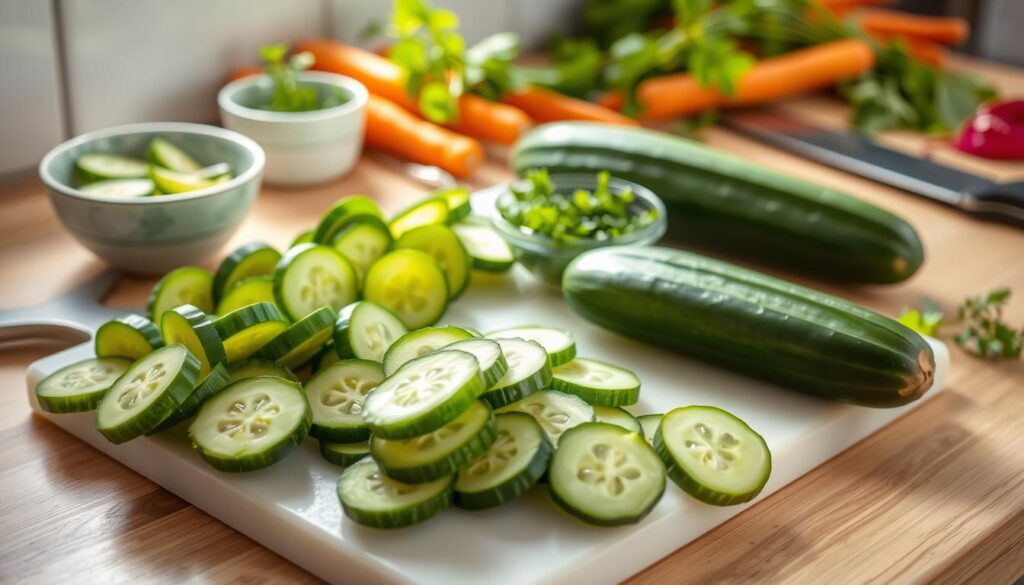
x=309, y=277
x=597, y=382
x=192, y=328
x=371, y=498
x=127, y=336
x=190, y=285
x=303, y=340
x=214, y=382
x=80, y=386
x=619, y=417
x=649, y=424
x=443, y=246
x=556, y=412
x=344, y=454
x=246, y=330
x=560, y=344
x=245, y=292
x=336, y=395
x=457, y=199
x=489, y=357
x=254, y=367
x=430, y=211
x=528, y=371
x=419, y=343
x=410, y=284
x=344, y=212
x=366, y=330
x=486, y=248
x=253, y=259
x=363, y=242
x=515, y=461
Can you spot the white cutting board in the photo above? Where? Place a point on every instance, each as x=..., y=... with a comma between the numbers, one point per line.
x=292, y=507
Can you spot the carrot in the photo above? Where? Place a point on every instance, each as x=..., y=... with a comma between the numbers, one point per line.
x=544, y=105
x=840, y=8
x=770, y=79
x=391, y=128
x=942, y=30
x=478, y=117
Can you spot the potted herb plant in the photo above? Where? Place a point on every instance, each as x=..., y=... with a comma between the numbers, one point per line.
x=309, y=123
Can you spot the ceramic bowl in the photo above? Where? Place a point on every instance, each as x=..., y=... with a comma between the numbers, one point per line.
x=154, y=234
x=303, y=148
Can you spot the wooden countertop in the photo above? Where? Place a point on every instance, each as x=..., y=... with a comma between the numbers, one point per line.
x=936, y=496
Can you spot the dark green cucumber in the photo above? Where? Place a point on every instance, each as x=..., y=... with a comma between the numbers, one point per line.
x=717, y=200
x=752, y=323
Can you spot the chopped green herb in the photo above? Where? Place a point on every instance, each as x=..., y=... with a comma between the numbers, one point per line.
x=288, y=94
x=600, y=214
x=982, y=330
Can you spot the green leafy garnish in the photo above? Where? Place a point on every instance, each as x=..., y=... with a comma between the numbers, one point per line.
x=982, y=332
x=925, y=320
x=287, y=93
x=600, y=214
x=575, y=68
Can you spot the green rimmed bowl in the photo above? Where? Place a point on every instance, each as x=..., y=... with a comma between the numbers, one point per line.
x=154, y=234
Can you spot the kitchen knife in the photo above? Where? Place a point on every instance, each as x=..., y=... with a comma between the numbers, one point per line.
x=857, y=154
x=71, y=317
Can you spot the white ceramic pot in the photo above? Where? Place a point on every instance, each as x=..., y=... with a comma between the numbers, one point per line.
x=303, y=148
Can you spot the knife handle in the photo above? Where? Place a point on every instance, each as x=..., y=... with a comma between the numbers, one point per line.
x=1000, y=202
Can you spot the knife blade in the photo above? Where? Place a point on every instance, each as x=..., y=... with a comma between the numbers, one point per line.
x=856, y=154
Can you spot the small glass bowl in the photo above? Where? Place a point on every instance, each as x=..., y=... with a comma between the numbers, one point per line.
x=547, y=258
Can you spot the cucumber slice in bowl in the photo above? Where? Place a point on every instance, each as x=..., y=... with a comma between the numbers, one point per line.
x=171, y=182
x=429, y=211
x=440, y=453
x=251, y=424
x=248, y=291
x=344, y=454
x=488, y=355
x=528, y=371
x=97, y=166
x=189, y=285
x=366, y=330
x=362, y=242
x=336, y=395
x=147, y=393
x=81, y=386
x=119, y=188
x=169, y=156
x=486, y=248
x=419, y=343
x=253, y=259
x=246, y=330
x=127, y=336
x=191, y=327
x=559, y=343
x=619, y=417
x=556, y=412
x=515, y=461
x=597, y=382
x=371, y=498
x=605, y=475
x=309, y=277
x=254, y=367
x=300, y=343
x=713, y=455
x=423, y=395
x=410, y=284
x=443, y=246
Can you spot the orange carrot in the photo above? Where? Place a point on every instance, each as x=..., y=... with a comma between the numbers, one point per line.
x=478, y=117
x=544, y=105
x=942, y=30
x=770, y=79
x=391, y=128
x=840, y=8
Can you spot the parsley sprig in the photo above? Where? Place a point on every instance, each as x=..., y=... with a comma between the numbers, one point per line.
x=981, y=330
x=288, y=94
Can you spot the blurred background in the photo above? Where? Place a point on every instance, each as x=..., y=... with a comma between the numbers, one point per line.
x=66, y=69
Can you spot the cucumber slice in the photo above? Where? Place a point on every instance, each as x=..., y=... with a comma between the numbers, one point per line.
x=597, y=382
x=102, y=167
x=371, y=498
x=189, y=285
x=556, y=412
x=248, y=291
x=605, y=475
x=208, y=387
x=336, y=395
x=343, y=212
x=423, y=395
x=440, y=453
x=80, y=386
x=487, y=249
x=488, y=355
x=528, y=371
x=619, y=417
x=251, y=424
x=410, y=284
x=457, y=199
x=649, y=424
x=713, y=455
x=253, y=259
x=441, y=244
x=327, y=357
x=120, y=188
x=246, y=330
x=362, y=243
x=169, y=156
x=305, y=237
x=419, y=343
x=309, y=277
x=171, y=182
x=559, y=343
x=191, y=327
x=515, y=461
x=254, y=367
x=344, y=454
x=299, y=343
x=366, y=330
x=127, y=336
x=147, y=393
x=429, y=211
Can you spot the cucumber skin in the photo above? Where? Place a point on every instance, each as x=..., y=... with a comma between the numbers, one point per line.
x=146, y=329
x=717, y=200
x=679, y=300
x=342, y=459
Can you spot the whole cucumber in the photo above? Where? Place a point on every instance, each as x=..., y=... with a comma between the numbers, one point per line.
x=752, y=323
x=721, y=202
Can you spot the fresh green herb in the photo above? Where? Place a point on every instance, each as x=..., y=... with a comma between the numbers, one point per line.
x=575, y=67
x=288, y=94
x=981, y=333
x=601, y=214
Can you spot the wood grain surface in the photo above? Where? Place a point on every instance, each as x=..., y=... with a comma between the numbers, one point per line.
x=937, y=496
